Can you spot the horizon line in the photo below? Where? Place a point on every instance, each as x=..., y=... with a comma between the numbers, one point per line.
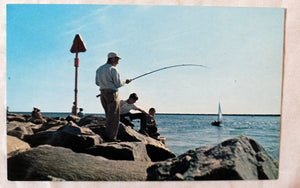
x=168, y=113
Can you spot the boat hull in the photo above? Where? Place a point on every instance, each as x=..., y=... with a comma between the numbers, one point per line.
x=216, y=123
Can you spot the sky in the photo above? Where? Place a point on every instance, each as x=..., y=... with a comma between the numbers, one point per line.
x=242, y=49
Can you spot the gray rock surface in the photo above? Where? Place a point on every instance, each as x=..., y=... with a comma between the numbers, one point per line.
x=16, y=117
x=131, y=159
x=20, y=129
x=69, y=136
x=156, y=150
x=92, y=119
x=73, y=118
x=58, y=164
x=65, y=132
x=240, y=158
x=135, y=151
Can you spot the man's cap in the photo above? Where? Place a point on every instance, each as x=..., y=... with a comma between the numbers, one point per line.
x=113, y=54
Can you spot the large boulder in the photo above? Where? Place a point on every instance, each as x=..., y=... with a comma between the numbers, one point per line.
x=52, y=123
x=15, y=146
x=19, y=125
x=92, y=119
x=240, y=158
x=132, y=145
x=156, y=150
x=16, y=117
x=69, y=136
x=135, y=151
x=20, y=129
x=58, y=164
x=73, y=118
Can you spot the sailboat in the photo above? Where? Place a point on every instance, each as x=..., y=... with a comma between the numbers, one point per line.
x=218, y=123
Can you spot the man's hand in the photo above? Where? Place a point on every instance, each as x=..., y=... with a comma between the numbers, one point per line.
x=128, y=81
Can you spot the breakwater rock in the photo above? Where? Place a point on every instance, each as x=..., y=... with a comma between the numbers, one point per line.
x=61, y=164
x=73, y=149
x=240, y=158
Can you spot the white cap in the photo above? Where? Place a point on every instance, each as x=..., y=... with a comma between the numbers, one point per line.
x=113, y=54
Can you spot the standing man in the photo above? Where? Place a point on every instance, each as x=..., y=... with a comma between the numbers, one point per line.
x=108, y=79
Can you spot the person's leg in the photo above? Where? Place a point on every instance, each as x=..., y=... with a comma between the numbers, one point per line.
x=142, y=117
x=127, y=122
x=152, y=131
x=111, y=104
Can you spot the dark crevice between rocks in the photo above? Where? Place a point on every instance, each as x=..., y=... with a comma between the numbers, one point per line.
x=158, y=154
x=254, y=145
x=111, y=153
x=261, y=174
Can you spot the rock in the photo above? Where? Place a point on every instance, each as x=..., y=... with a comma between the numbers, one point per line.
x=97, y=129
x=19, y=129
x=52, y=123
x=53, y=129
x=135, y=151
x=156, y=150
x=73, y=118
x=37, y=121
x=16, y=117
x=133, y=145
x=15, y=146
x=69, y=136
x=57, y=163
x=92, y=119
x=240, y=158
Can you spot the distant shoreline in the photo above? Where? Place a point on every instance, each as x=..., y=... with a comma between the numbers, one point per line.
x=160, y=114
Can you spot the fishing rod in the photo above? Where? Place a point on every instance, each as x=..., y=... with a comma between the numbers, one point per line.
x=168, y=67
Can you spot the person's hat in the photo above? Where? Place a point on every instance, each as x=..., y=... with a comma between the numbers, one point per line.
x=113, y=54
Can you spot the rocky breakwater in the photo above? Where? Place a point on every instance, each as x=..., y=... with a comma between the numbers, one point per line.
x=240, y=158
x=73, y=149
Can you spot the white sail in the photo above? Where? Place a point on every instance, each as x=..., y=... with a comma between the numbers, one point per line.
x=219, y=113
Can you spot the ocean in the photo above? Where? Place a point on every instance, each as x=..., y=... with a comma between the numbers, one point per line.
x=184, y=132
x=190, y=131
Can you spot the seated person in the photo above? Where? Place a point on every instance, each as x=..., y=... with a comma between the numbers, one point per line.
x=151, y=127
x=126, y=106
x=36, y=116
x=80, y=113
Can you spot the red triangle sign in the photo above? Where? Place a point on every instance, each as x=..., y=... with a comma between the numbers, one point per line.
x=78, y=45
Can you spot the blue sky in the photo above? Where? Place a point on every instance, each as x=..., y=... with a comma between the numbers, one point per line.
x=243, y=48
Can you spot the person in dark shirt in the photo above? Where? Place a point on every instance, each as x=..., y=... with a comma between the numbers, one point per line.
x=151, y=127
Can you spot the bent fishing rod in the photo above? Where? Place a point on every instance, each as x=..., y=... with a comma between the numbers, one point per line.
x=168, y=67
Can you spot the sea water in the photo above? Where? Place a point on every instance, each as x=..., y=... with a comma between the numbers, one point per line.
x=185, y=132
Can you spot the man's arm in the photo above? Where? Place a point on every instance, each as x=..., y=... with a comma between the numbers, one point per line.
x=116, y=78
x=143, y=111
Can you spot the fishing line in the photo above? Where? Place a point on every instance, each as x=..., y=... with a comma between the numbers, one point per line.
x=168, y=67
